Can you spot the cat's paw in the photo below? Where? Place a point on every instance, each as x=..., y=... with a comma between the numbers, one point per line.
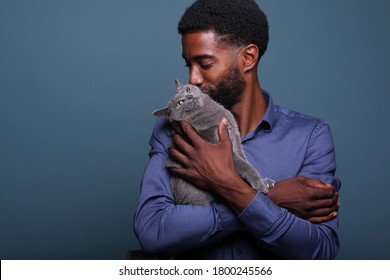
x=269, y=183
x=263, y=185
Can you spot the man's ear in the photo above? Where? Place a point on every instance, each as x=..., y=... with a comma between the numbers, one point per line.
x=250, y=57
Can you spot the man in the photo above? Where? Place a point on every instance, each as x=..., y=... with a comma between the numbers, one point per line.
x=223, y=42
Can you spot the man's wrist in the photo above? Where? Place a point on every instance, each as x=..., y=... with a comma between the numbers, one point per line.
x=272, y=194
x=238, y=194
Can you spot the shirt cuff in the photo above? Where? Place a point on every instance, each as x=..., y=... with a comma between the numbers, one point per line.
x=226, y=218
x=261, y=215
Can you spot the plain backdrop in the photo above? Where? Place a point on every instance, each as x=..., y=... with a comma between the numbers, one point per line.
x=79, y=80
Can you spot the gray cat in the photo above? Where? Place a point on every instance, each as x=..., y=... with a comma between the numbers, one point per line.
x=205, y=115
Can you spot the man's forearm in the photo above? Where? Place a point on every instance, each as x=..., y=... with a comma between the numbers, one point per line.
x=288, y=236
x=307, y=198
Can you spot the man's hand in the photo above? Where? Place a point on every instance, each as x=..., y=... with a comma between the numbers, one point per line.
x=309, y=199
x=210, y=166
x=203, y=162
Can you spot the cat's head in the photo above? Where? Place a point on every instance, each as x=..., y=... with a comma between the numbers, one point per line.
x=183, y=104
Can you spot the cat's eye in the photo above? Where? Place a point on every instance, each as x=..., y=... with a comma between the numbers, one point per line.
x=188, y=90
x=180, y=102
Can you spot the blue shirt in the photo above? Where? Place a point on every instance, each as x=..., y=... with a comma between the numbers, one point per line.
x=285, y=144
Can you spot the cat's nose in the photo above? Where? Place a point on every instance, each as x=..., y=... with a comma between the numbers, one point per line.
x=190, y=97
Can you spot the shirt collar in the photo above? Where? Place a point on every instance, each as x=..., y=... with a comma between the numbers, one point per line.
x=268, y=120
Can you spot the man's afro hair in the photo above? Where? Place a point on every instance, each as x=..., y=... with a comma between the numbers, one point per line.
x=238, y=22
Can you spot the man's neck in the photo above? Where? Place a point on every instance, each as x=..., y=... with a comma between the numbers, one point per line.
x=250, y=109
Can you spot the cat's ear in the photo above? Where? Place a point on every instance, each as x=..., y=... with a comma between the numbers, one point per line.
x=162, y=113
x=178, y=84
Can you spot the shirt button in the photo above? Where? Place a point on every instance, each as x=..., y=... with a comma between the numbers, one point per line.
x=238, y=252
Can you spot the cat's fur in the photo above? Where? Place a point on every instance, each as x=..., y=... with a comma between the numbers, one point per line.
x=204, y=114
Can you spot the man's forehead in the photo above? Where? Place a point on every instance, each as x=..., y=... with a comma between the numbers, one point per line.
x=200, y=44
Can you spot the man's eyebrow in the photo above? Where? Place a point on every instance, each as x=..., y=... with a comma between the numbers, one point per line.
x=199, y=57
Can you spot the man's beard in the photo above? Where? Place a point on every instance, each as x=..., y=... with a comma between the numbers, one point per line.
x=228, y=91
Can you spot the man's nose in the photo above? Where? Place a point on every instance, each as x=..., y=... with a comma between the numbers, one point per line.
x=196, y=78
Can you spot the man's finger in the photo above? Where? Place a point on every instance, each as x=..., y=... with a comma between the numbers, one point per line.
x=191, y=133
x=325, y=202
x=223, y=130
x=318, y=189
x=177, y=171
x=178, y=156
x=325, y=210
x=180, y=143
x=323, y=218
x=316, y=183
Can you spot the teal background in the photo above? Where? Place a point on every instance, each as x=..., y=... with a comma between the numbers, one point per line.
x=79, y=80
